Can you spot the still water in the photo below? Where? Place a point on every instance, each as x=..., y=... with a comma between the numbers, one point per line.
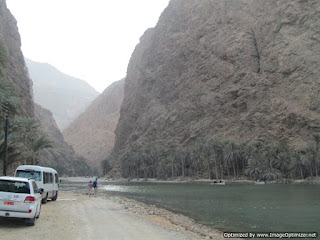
x=245, y=208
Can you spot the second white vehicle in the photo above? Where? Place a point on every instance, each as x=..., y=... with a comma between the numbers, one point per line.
x=20, y=198
x=46, y=178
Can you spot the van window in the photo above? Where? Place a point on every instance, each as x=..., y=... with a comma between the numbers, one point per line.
x=29, y=174
x=14, y=186
x=47, y=177
x=56, y=178
x=35, y=187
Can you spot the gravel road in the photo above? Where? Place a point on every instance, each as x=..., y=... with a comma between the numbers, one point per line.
x=75, y=216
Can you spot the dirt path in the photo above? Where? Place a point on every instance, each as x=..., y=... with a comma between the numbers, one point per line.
x=82, y=217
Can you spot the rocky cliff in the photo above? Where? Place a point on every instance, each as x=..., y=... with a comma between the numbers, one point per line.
x=65, y=96
x=13, y=67
x=14, y=70
x=92, y=133
x=236, y=69
x=61, y=156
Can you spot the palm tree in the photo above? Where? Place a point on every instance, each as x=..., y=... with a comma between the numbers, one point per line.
x=207, y=153
x=309, y=156
x=9, y=106
x=164, y=166
x=255, y=160
x=197, y=158
x=28, y=128
x=270, y=163
x=154, y=155
x=217, y=149
x=283, y=156
x=316, y=138
x=233, y=156
x=37, y=144
x=128, y=164
x=105, y=165
x=299, y=165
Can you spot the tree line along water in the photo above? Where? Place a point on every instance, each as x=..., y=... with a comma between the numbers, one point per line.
x=216, y=159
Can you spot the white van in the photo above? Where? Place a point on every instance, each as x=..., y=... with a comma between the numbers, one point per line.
x=46, y=178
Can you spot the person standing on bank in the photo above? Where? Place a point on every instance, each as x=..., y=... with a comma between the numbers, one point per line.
x=95, y=186
x=90, y=186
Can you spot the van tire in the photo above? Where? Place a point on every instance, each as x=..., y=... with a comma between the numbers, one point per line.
x=31, y=221
x=55, y=197
x=44, y=200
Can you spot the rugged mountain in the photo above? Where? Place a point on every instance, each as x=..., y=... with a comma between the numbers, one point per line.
x=236, y=69
x=92, y=134
x=12, y=65
x=14, y=73
x=14, y=70
x=65, y=96
x=61, y=157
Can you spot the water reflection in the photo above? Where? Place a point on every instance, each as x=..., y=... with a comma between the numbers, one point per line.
x=122, y=188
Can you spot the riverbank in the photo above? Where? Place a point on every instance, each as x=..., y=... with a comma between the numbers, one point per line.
x=236, y=207
x=76, y=216
x=189, y=180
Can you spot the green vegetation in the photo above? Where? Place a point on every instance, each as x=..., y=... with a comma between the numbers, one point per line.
x=214, y=159
x=20, y=139
x=105, y=165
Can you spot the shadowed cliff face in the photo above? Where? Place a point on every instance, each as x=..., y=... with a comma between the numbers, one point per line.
x=14, y=69
x=235, y=69
x=92, y=134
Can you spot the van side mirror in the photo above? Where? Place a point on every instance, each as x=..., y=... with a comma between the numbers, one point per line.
x=40, y=190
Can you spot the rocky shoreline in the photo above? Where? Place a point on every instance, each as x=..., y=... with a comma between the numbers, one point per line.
x=180, y=221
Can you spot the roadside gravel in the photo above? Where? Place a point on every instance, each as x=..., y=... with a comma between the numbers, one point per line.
x=75, y=216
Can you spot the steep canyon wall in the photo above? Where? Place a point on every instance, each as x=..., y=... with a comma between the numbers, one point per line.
x=243, y=70
x=14, y=69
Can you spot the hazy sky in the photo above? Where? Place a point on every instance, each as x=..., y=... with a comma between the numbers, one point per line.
x=89, y=39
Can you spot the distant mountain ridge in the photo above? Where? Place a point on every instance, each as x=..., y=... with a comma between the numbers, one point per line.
x=92, y=134
x=61, y=157
x=65, y=96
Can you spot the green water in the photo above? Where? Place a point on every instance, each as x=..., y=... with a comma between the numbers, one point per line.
x=245, y=208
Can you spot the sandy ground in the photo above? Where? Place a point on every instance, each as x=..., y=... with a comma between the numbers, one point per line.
x=75, y=216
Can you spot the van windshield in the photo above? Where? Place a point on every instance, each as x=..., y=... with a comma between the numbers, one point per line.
x=29, y=174
x=14, y=186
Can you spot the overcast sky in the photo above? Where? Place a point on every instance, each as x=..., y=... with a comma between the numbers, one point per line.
x=88, y=39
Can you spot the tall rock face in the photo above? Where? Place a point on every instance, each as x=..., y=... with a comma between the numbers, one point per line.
x=92, y=134
x=13, y=65
x=13, y=69
x=61, y=156
x=65, y=96
x=236, y=69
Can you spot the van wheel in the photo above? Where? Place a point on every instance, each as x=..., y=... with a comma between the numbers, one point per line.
x=55, y=196
x=44, y=200
x=31, y=221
